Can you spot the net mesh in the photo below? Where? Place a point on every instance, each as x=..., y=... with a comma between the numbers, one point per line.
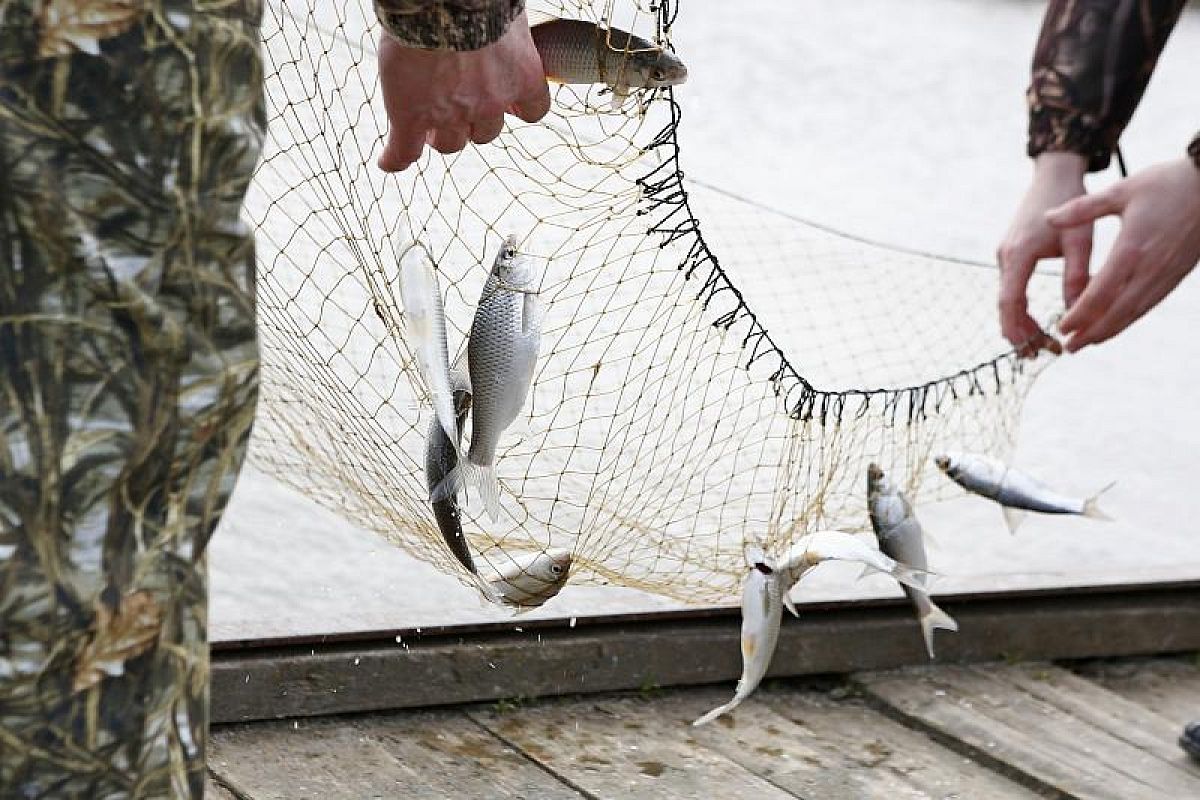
x=712, y=372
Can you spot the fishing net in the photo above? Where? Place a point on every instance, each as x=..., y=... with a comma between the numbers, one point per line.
x=712, y=372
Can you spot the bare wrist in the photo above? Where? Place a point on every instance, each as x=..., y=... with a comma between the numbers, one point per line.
x=1060, y=164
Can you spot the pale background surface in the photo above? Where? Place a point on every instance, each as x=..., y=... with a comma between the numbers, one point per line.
x=901, y=126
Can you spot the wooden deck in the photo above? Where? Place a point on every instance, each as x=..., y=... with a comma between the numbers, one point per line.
x=1073, y=730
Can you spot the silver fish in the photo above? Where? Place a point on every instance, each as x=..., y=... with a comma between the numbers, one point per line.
x=575, y=51
x=1014, y=490
x=762, y=614
x=425, y=320
x=901, y=537
x=502, y=352
x=531, y=581
x=441, y=457
x=814, y=548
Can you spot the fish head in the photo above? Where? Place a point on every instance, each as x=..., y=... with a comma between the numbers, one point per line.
x=552, y=566
x=943, y=462
x=532, y=580
x=877, y=481
x=513, y=268
x=651, y=68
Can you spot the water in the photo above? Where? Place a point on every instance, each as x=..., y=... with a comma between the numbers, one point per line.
x=901, y=124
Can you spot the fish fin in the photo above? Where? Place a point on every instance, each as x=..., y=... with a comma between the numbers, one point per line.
x=454, y=482
x=488, y=591
x=916, y=578
x=935, y=619
x=536, y=17
x=1091, y=506
x=619, y=93
x=1013, y=517
x=489, y=489
x=866, y=570
x=791, y=606
x=718, y=711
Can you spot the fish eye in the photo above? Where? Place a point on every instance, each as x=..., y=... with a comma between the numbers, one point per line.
x=556, y=569
x=658, y=74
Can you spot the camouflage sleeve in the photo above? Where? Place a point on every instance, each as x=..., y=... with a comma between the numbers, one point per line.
x=447, y=24
x=1092, y=63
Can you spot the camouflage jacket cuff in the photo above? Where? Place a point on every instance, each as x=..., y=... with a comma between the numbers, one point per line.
x=1194, y=151
x=447, y=24
x=1056, y=130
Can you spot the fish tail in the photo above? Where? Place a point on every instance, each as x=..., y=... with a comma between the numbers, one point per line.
x=935, y=619
x=1091, y=506
x=489, y=488
x=718, y=711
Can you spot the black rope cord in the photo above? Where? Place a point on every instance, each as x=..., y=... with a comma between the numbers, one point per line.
x=664, y=195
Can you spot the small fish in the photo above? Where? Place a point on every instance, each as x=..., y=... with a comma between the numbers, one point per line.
x=575, y=51
x=426, y=323
x=529, y=582
x=1015, y=491
x=814, y=548
x=762, y=613
x=502, y=351
x=441, y=457
x=901, y=537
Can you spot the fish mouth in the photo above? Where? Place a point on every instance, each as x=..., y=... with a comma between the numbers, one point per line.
x=943, y=462
x=874, y=472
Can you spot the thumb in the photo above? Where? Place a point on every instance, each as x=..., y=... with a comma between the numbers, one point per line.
x=1082, y=210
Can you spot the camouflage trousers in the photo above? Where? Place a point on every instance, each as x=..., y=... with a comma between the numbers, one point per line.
x=129, y=130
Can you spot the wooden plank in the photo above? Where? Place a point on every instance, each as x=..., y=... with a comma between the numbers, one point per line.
x=825, y=749
x=1090, y=702
x=450, y=667
x=623, y=748
x=412, y=755
x=1170, y=687
x=996, y=720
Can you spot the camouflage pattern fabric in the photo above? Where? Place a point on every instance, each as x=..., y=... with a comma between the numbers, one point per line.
x=447, y=24
x=129, y=130
x=1091, y=66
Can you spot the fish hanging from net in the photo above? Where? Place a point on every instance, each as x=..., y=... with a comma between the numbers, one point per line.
x=710, y=372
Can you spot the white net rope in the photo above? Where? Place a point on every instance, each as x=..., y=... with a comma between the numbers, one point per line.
x=711, y=372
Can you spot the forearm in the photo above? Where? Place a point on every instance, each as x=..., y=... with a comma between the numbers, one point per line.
x=1091, y=66
x=447, y=24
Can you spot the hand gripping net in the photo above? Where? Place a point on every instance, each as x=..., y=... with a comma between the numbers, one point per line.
x=712, y=372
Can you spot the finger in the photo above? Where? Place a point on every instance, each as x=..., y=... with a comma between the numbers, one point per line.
x=450, y=140
x=1016, y=266
x=402, y=149
x=1114, y=319
x=1077, y=255
x=1084, y=209
x=1102, y=292
x=484, y=131
x=534, y=103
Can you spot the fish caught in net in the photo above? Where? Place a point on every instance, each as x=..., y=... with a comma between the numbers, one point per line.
x=711, y=372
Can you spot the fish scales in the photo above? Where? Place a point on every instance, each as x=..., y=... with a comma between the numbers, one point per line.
x=441, y=457
x=901, y=537
x=502, y=351
x=579, y=52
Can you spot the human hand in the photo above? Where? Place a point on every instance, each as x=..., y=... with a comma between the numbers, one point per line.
x=446, y=97
x=1057, y=178
x=1159, y=244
